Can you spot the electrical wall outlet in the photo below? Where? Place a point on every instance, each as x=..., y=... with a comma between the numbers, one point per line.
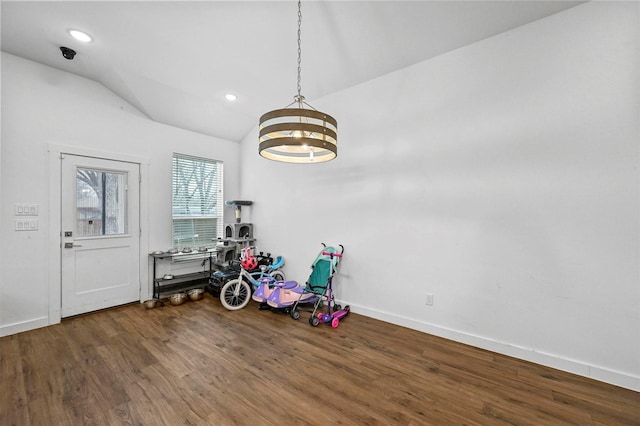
x=428, y=299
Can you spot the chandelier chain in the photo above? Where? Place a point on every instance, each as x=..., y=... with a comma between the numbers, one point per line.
x=299, y=97
x=298, y=135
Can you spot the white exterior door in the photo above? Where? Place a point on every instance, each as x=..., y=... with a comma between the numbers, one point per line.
x=100, y=238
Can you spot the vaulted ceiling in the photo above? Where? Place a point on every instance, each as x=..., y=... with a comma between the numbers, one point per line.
x=176, y=60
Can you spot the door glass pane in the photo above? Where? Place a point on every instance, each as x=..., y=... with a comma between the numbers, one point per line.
x=101, y=203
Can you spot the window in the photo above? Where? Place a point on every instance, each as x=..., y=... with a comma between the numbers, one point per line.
x=100, y=203
x=197, y=201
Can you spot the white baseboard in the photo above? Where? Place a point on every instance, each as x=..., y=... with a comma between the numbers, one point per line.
x=528, y=354
x=19, y=327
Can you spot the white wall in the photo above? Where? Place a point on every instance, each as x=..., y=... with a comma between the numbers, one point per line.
x=501, y=177
x=43, y=106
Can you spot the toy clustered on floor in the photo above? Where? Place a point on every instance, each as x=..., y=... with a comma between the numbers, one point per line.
x=248, y=274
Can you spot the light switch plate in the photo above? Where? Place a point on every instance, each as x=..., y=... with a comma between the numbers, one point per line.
x=26, y=224
x=26, y=210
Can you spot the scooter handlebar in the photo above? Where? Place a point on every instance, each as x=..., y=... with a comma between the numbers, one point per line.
x=327, y=253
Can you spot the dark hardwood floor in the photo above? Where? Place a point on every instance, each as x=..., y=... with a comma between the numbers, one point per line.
x=199, y=364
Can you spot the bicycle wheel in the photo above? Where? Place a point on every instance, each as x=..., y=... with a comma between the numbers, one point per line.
x=277, y=275
x=235, y=294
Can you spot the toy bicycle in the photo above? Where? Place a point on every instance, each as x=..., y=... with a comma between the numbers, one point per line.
x=220, y=277
x=236, y=293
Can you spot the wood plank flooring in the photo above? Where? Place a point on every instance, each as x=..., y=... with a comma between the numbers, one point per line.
x=199, y=364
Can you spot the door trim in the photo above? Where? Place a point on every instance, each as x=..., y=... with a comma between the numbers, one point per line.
x=55, y=250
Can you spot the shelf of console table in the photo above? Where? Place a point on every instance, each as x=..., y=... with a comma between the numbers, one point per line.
x=182, y=282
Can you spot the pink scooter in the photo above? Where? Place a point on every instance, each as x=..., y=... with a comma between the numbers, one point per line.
x=336, y=313
x=317, y=290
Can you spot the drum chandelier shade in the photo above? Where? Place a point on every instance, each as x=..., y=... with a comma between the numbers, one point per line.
x=298, y=133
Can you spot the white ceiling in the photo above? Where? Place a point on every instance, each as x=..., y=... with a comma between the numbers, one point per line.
x=175, y=60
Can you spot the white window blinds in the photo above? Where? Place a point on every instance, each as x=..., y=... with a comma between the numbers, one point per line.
x=197, y=201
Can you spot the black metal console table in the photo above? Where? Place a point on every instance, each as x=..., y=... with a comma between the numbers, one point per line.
x=182, y=282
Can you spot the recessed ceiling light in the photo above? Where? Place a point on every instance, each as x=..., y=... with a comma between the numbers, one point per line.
x=80, y=36
x=230, y=97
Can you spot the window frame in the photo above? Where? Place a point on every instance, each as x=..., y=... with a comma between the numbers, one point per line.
x=179, y=237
